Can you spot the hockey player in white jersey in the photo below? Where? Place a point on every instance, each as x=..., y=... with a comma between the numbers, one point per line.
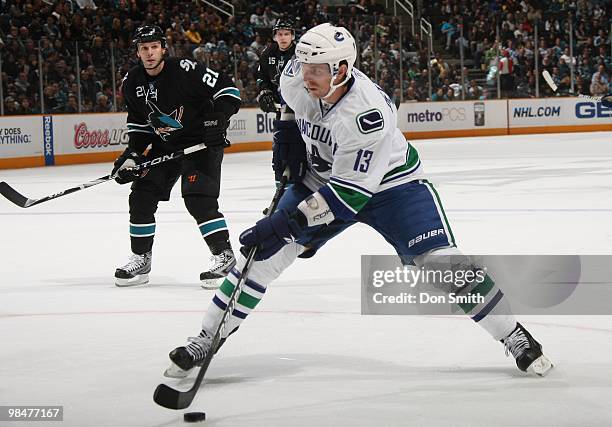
x=349, y=163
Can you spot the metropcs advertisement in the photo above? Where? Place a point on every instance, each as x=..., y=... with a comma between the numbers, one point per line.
x=425, y=117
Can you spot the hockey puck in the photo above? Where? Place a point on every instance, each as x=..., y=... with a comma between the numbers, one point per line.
x=194, y=417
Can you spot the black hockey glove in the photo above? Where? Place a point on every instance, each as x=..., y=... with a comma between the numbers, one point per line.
x=125, y=164
x=288, y=149
x=215, y=125
x=270, y=234
x=266, y=101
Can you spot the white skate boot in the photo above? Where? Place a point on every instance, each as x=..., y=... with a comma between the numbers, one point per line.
x=135, y=272
x=221, y=265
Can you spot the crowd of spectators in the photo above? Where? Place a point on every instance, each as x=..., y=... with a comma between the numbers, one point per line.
x=45, y=42
x=514, y=22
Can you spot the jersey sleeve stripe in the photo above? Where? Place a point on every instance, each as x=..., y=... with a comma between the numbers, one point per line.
x=351, y=185
x=354, y=200
x=140, y=131
x=400, y=174
x=228, y=91
x=344, y=202
x=412, y=164
x=138, y=125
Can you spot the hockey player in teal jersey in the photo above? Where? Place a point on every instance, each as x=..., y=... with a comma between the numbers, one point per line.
x=359, y=168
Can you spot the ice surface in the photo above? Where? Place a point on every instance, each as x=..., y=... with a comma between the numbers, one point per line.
x=306, y=356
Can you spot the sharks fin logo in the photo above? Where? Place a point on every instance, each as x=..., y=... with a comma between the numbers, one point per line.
x=164, y=124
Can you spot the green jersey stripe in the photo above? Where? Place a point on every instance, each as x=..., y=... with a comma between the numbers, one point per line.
x=412, y=159
x=355, y=200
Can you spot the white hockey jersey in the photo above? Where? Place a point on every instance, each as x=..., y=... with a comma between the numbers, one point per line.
x=355, y=147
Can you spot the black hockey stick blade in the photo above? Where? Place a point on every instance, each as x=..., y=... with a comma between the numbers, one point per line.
x=175, y=399
x=13, y=195
x=172, y=399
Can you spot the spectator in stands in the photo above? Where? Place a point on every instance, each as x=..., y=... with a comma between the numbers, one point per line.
x=474, y=91
x=258, y=46
x=506, y=77
x=193, y=35
x=22, y=84
x=411, y=95
x=269, y=17
x=26, y=107
x=57, y=24
x=439, y=95
x=601, y=72
x=599, y=82
x=50, y=99
x=448, y=31
x=257, y=19
x=586, y=70
x=72, y=105
x=86, y=4
x=102, y=104
x=11, y=107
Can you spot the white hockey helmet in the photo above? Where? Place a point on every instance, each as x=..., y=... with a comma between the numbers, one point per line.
x=327, y=44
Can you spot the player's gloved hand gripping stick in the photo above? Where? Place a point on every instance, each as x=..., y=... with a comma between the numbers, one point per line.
x=25, y=202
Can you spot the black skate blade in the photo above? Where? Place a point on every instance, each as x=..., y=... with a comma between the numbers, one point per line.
x=13, y=195
x=172, y=399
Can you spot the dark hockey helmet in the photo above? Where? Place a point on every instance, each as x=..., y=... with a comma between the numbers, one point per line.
x=149, y=33
x=284, y=24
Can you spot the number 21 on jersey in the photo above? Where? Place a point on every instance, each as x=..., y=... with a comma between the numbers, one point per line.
x=210, y=77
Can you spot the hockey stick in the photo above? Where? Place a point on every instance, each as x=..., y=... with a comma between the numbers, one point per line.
x=175, y=399
x=25, y=202
x=605, y=100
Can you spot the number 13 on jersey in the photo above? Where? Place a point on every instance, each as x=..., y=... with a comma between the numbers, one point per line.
x=362, y=162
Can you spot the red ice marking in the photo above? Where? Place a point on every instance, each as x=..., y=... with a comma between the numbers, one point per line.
x=313, y=312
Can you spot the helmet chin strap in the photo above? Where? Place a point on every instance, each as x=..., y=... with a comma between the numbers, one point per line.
x=333, y=87
x=152, y=68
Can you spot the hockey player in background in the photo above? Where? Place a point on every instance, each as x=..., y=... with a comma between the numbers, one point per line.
x=271, y=65
x=272, y=62
x=172, y=104
x=360, y=169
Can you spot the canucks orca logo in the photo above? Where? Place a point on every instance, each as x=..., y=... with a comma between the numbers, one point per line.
x=164, y=124
x=339, y=36
x=370, y=121
x=317, y=162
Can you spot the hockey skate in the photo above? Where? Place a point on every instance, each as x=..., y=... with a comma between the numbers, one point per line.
x=222, y=264
x=185, y=358
x=135, y=272
x=527, y=352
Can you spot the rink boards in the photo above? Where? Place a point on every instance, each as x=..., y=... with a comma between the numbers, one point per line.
x=27, y=141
